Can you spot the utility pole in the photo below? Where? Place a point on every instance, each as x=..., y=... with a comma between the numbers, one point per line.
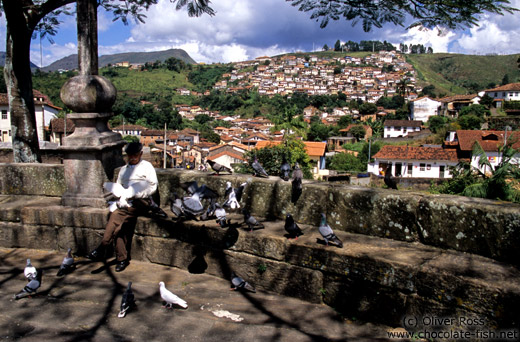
x=164, y=152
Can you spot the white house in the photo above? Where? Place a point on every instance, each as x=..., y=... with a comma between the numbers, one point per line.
x=414, y=162
x=400, y=128
x=127, y=129
x=44, y=111
x=490, y=141
x=508, y=92
x=424, y=107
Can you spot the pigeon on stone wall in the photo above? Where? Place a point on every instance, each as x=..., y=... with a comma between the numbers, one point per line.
x=251, y=221
x=176, y=205
x=127, y=302
x=219, y=168
x=297, y=187
x=220, y=213
x=233, y=195
x=292, y=228
x=327, y=233
x=237, y=283
x=170, y=298
x=285, y=170
x=67, y=265
x=32, y=286
x=389, y=180
x=258, y=169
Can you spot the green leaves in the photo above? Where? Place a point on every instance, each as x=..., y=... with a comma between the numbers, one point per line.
x=428, y=13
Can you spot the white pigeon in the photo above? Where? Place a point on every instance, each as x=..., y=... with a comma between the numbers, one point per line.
x=32, y=286
x=29, y=271
x=171, y=298
x=67, y=265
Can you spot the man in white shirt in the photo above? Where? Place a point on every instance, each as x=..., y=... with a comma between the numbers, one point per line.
x=139, y=176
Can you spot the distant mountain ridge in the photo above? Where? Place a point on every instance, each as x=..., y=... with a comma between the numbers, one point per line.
x=2, y=61
x=71, y=62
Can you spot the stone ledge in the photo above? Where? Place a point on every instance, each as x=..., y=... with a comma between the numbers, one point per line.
x=372, y=278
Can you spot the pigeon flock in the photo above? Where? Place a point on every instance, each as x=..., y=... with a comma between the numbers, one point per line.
x=191, y=207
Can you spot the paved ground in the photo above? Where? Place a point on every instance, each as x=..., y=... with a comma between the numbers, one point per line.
x=83, y=306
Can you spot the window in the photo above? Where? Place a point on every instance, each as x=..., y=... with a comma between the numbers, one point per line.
x=422, y=166
x=428, y=167
x=397, y=128
x=404, y=129
x=4, y=114
x=410, y=169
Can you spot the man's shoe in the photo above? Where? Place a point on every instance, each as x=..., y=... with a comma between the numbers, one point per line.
x=95, y=255
x=121, y=265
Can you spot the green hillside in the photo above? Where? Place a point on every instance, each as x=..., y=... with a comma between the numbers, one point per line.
x=463, y=74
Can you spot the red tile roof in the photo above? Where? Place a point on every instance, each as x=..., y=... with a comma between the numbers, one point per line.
x=235, y=155
x=507, y=87
x=416, y=153
x=489, y=140
x=313, y=149
x=403, y=123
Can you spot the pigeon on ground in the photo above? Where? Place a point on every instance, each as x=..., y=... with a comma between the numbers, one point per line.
x=171, y=298
x=220, y=213
x=127, y=302
x=258, y=169
x=297, y=187
x=219, y=168
x=389, y=180
x=29, y=271
x=233, y=195
x=327, y=233
x=237, y=283
x=285, y=170
x=67, y=264
x=251, y=221
x=292, y=228
x=32, y=286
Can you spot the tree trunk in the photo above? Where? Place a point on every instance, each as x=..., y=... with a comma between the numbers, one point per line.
x=18, y=77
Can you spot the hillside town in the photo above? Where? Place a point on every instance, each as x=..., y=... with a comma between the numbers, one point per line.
x=382, y=74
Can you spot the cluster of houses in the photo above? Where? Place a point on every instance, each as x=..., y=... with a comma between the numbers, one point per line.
x=187, y=149
x=357, y=78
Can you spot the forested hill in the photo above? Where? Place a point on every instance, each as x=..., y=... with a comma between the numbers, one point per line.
x=464, y=74
x=71, y=62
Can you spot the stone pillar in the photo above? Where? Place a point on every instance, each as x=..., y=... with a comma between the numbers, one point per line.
x=93, y=151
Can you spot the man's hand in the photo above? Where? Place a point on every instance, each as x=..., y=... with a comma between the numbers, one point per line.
x=122, y=203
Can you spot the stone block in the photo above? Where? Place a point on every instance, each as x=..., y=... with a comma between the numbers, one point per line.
x=32, y=179
x=484, y=227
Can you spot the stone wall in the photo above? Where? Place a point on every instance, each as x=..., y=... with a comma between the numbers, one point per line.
x=478, y=226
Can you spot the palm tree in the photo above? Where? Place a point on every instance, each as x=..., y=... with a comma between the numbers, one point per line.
x=494, y=184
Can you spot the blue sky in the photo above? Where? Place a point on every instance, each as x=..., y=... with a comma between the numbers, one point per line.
x=247, y=29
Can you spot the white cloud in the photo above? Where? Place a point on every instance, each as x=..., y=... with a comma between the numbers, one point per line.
x=439, y=41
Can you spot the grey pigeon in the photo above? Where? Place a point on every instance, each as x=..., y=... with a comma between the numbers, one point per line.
x=32, y=286
x=127, y=302
x=389, y=180
x=218, y=167
x=171, y=298
x=251, y=221
x=220, y=213
x=67, y=264
x=258, y=169
x=237, y=283
x=233, y=195
x=176, y=205
x=327, y=233
x=192, y=205
x=29, y=271
x=292, y=228
x=297, y=187
x=285, y=170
